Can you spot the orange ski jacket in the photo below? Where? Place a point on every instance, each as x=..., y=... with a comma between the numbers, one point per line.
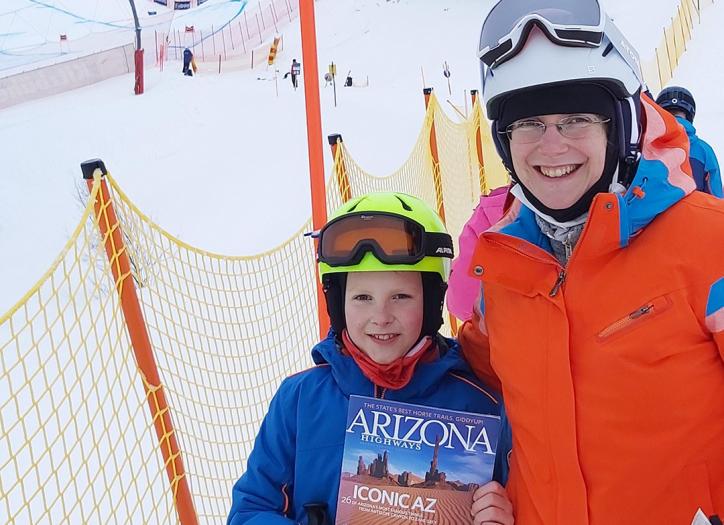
x=612, y=368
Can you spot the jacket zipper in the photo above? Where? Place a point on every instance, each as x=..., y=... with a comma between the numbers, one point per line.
x=655, y=306
x=559, y=282
x=569, y=249
x=561, y=274
x=380, y=392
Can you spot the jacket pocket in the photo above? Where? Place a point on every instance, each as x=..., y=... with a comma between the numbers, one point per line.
x=638, y=317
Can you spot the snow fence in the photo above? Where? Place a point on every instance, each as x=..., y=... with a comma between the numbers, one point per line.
x=659, y=69
x=136, y=372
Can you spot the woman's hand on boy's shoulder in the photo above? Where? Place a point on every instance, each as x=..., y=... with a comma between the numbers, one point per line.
x=491, y=505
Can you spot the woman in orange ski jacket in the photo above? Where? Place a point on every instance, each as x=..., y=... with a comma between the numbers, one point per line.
x=601, y=311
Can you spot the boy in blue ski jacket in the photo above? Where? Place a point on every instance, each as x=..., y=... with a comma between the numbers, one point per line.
x=704, y=165
x=384, y=262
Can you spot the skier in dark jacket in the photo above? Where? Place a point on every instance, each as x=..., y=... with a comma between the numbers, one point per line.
x=295, y=71
x=385, y=314
x=188, y=69
x=704, y=166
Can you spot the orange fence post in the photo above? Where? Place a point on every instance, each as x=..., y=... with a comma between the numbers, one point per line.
x=437, y=182
x=112, y=236
x=314, y=137
x=437, y=178
x=340, y=170
x=484, y=189
x=138, y=71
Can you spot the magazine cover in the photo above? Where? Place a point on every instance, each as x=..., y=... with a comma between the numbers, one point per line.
x=407, y=463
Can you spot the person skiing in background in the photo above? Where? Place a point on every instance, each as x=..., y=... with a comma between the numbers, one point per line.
x=188, y=65
x=295, y=71
x=680, y=102
x=601, y=308
x=383, y=260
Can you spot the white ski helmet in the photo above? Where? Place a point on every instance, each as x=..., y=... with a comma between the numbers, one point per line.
x=526, y=45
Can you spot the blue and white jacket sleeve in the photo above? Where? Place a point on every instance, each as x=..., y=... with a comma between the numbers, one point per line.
x=714, y=175
x=261, y=496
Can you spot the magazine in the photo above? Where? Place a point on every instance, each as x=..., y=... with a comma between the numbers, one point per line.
x=407, y=463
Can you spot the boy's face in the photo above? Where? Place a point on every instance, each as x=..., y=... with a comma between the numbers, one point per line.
x=384, y=312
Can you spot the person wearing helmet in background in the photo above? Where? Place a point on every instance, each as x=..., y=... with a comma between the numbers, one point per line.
x=602, y=288
x=679, y=102
x=384, y=263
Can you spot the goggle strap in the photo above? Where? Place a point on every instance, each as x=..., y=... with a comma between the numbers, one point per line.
x=438, y=245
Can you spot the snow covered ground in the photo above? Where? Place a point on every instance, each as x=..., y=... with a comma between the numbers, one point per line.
x=221, y=160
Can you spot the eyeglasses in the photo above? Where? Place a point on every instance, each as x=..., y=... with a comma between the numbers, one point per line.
x=528, y=131
x=393, y=239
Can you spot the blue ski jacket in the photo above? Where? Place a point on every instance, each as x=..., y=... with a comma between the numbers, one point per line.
x=704, y=165
x=297, y=455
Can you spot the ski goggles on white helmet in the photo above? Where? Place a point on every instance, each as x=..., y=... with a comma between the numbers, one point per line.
x=565, y=22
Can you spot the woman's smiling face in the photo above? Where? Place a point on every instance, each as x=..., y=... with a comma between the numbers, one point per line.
x=559, y=170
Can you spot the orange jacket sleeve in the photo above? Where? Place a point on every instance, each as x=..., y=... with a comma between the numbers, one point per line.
x=476, y=350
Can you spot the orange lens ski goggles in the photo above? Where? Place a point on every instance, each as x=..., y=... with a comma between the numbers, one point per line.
x=393, y=239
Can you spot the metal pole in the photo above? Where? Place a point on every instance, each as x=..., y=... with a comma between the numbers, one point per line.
x=138, y=26
x=138, y=54
x=334, y=86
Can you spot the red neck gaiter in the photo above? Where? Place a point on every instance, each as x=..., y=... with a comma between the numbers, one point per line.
x=396, y=374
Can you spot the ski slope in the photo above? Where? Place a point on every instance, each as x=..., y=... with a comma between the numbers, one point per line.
x=221, y=160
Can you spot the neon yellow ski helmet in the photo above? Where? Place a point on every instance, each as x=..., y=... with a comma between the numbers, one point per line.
x=412, y=210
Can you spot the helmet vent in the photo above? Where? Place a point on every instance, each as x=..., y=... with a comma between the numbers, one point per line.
x=405, y=206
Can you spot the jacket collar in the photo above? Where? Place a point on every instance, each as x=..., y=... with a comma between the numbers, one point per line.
x=688, y=126
x=426, y=378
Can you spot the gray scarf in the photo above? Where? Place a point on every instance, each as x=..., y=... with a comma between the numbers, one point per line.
x=563, y=239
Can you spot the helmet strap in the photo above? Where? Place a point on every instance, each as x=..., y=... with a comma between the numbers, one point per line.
x=631, y=124
x=433, y=292
x=334, y=286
